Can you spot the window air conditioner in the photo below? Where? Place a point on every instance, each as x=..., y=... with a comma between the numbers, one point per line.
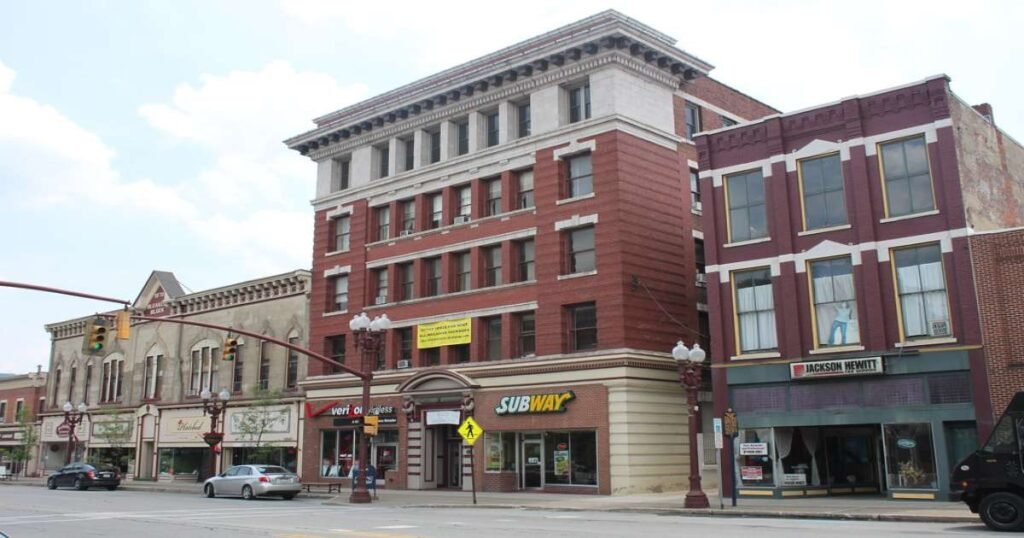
x=702, y=279
x=403, y=364
x=938, y=328
x=461, y=219
x=404, y=233
x=382, y=299
x=698, y=206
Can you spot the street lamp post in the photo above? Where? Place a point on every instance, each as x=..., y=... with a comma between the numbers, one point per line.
x=689, y=363
x=214, y=405
x=72, y=419
x=369, y=338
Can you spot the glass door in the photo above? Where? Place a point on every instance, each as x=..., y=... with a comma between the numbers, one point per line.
x=533, y=464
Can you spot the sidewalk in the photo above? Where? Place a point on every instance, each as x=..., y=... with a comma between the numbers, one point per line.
x=847, y=508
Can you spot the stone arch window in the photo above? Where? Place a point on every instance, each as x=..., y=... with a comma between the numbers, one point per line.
x=292, y=370
x=152, y=373
x=87, y=382
x=201, y=367
x=56, y=384
x=112, y=379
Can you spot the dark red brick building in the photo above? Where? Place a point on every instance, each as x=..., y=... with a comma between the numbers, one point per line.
x=851, y=256
x=527, y=222
x=22, y=398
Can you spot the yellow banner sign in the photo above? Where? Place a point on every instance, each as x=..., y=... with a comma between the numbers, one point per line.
x=444, y=333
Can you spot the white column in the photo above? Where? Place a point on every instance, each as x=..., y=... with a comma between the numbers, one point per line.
x=449, y=140
x=477, y=132
x=507, y=122
x=420, y=154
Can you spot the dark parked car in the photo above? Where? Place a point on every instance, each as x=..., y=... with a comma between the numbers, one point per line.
x=83, y=476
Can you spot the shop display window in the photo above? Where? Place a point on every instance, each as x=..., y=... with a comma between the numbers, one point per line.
x=181, y=461
x=801, y=452
x=754, y=457
x=909, y=456
x=570, y=458
x=385, y=453
x=500, y=453
x=336, y=453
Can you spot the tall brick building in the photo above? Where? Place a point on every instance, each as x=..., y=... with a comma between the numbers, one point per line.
x=862, y=273
x=22, y=398
x=534, y=205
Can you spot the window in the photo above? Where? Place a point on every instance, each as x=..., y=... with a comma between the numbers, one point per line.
x=525, y=252
x=342, y=233
x=582, y=327
x=500, y=451
x=336, y=347
x=493, y=206
x=410, y=152
x=463, y=275
x=71, y=383
x=908, y=183
x=579, y=103
x=581, y=250
x=909, y=456
x=339, y=176
x=493, y=344
x=580, y=179
x=405, y=344
x=835, y=303
x=292, y=373
x=263, y=380
x=755, y=310
x=460, y=353
x=435, y=146
x=407, y=276
x=492, y=265
x=56, y=385
x=462, y=132
x=19, y=408
x=337, y=448
x=237, y=370
x=87, y=394
x=339, y=302
x=432, y=267
x=201, y=371
x=380, y=279
x=492, y=129
x=693, y=125
x=570, y=458
x=821, y=184
x=380, y=360
x=151, y=377
x=431, y=357
x=465, y=195
x=42, y=405
x=408, y=216
x=921, y=285
x=525, y=189
x=728, y=122
x=383, y=158
x=436, y=215
x=3, y=411
x=523, y=115
x=113, y=370
x=695, y=190
x=383, y=223
x=747, y=217
x=527, y=334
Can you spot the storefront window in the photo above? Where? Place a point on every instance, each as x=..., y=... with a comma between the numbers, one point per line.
x=753, y=457
x=501, y=451
x=799, y=450
x=909, y=456
x=181, y=461
x=570, y=458
x=283, y=456
x=336, y=452
x=385, y=453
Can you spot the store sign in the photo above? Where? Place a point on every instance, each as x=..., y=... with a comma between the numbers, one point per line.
x=442, y=417
x=190, y=425
x=751, y=473
x=444, y=333
x=836, y=368
x=794, y=479
x=536, y=403
x=753, y=449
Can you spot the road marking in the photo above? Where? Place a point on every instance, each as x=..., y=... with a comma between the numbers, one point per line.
x=396, y=527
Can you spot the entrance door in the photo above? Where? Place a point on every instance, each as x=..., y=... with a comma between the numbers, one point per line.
x=961, y=440
x=533, y=465
x=852, y=457
x=453, y=457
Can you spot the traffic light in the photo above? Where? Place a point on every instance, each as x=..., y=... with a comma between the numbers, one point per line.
x=370, y=425
x=96, y=333
x=230, y=348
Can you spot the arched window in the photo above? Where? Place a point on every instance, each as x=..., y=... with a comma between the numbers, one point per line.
x=113, y=379
x=71, y=382
x=201, y=367
x=56, y=386
x=292, y=375
x=87, y=394
x=152, y=373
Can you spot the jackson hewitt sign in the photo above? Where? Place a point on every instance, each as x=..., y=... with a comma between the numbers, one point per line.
x=836, y=368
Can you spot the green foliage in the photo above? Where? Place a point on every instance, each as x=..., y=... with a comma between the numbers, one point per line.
x=22, y=453
x=257, y=419
x=117, y=432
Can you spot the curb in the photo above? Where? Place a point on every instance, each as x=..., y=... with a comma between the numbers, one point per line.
x=157, y=489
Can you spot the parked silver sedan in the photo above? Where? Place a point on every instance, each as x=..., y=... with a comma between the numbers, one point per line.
x=251, y=481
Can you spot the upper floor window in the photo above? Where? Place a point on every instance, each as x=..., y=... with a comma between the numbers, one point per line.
x=728, y=122
x=383, y=223
x=908, y=182
x=460, y=353
x=19, y=409
x=435, y=145
x=695, y=190
x=693, y=124
x=71, y=383
x=151, y=376
x=383, y=161
x=409, y=145
x=581, y=250
x=582, y=327
x=921, y=285
x=835, y=303
x=527, y=343
x=407, y=279
x=87, y=393
x=821, y=182
x=747, y=217
x=436, y=211
x=263, y=375
x=755, y=310
x=405, y=345
x=238, y=369
x=432, y=269
x=342, y=233
x=336, y=347
x=201, y=370
x=408, y=217
x=113, y=380
x=579, y=103
x=465, y=196
x=580, y=176
x=380, y=285
x=525, y=179
x=493, y=342
x=339, y=174
x=292, y=371
x=523, y=117
x=491, y=120
x=462, y=136
x=525, y=271
x=463, y=268
x=493, y=197
x=56, y=386
x=492, y=265
x=339, y=296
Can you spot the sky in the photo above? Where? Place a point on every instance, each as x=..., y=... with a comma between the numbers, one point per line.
x=147, y=135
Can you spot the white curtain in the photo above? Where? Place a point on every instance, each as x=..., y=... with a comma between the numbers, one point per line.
x=757, y=318
x=810, y=437
x=831, y=293
x=923, y=297
x=783, y=446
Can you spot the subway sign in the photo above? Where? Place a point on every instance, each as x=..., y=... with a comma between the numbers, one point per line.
x=836, y=368
x=534, y=403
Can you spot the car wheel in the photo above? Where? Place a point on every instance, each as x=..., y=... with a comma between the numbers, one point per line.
x=79, y=485
x=208, y=490
x=51, y=484
x=247, y=493
x=288, y=496
x=1002, y=511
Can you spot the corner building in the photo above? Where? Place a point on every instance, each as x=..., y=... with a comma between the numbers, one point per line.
x=848, y=246
x=526, y=222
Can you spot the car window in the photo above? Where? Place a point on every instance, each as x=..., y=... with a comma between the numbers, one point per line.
x=269, y=469
x=244, y=471
x=231, y=472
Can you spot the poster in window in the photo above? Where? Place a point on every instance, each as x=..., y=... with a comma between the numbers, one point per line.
x=751, y=473
x=493, y=452
x=561, y=462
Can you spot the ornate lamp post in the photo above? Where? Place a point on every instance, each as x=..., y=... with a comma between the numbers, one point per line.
x=369, y=337
x=214, y=406
x=72, y=419
x=689, y=363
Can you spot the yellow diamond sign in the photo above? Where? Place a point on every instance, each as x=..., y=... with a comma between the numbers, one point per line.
x=470, y=431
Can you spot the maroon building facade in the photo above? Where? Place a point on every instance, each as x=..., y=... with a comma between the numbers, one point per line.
x=842, y=290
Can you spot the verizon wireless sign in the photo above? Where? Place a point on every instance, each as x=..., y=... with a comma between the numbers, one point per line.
x=836, y=368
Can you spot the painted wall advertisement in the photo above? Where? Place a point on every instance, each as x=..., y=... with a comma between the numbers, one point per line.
x=444, y=333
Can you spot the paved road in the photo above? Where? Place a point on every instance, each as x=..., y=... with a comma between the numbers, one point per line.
x=27, y=512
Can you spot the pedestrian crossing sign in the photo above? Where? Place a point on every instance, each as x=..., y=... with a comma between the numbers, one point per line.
x=470, y=431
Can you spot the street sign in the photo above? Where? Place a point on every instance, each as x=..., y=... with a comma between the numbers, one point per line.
x=63, y=429
x=719, y=443
x=470, y=431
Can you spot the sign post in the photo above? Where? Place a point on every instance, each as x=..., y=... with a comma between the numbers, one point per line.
x=470, y=432
x=730, y=427
x=717, y=422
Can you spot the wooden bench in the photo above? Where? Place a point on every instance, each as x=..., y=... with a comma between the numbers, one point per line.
x=331, y=486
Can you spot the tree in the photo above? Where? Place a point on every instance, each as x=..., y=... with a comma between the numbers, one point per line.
x=116, y=431
x=257, y=419
x=22, y=453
